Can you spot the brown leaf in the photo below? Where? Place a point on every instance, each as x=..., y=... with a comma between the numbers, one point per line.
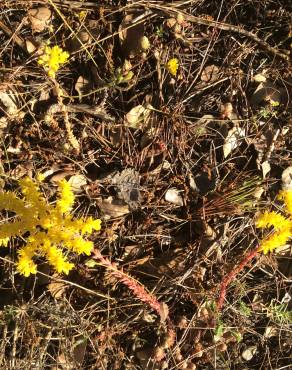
x=57, y=288
x=210, y=73
x=113, y=207
x=39, y=18
x=137, y=116
x=8, y=99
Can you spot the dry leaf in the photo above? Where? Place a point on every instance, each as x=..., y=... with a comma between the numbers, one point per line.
x=78, y=41
x=266, y=168
x=77, y=183
x=287, y=178
x=9, y=101
x=226, y=110
x=267, y=92
x=210, y=73
x=3, y=125
x=145, y=43
x=173, y=196
x=57, y=288
x=60, y=175
x=79, y=350
x=164, y=311
x=137, y=116
x=232, y=140
x=39, y=18
x=113, y=207
x=259, y=78
x=31, y=46
x=171, y=22
x=271, y=331
x=248, y=353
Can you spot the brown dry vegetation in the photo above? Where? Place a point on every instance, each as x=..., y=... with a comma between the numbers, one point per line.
x=179, y=250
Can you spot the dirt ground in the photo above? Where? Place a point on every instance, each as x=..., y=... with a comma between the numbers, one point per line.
x=172, y=122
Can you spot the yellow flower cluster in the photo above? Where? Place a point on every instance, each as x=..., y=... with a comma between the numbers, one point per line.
x=51, y=230
x=172, y=66
x=52, y=59
x=282, y=225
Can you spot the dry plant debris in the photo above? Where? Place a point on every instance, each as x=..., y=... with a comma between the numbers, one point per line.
x=170, y=121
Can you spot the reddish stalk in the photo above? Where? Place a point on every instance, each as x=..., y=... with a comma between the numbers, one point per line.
x=137, y=288
x=232, y=274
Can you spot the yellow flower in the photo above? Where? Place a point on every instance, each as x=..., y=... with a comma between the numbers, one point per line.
x=282, y=225
x=4, y=242
x=51, y=230
x=82, y=14
x=66, y=198
x=25, y=264
x=268, y=219
x=52, y=59
x=275, y=241
x=172, y=66
x=286, y=196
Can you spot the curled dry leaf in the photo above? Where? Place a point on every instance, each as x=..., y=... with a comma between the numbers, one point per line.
x=233, y=139
x=249, y=353
x=173, y=196
x=171, y=22
x=82, y=86
x=145, y=43
x=267, y=92
x=259, y=77
x=39, y=18
x=113, y=207
x=137, y=117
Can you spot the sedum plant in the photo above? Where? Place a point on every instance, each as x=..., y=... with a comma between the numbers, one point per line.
x=281, y=225
x=172, y=66
x=49, y=230
x=52, y=59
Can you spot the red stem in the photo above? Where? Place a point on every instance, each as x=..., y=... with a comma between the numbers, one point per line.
x=232, y=274
x=137, y=288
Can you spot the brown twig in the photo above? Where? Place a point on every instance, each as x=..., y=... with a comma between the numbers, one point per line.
x=221, y=26
x=17, y=39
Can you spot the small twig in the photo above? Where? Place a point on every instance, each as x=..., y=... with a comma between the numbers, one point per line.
x=221, y=26
x=18, y=40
